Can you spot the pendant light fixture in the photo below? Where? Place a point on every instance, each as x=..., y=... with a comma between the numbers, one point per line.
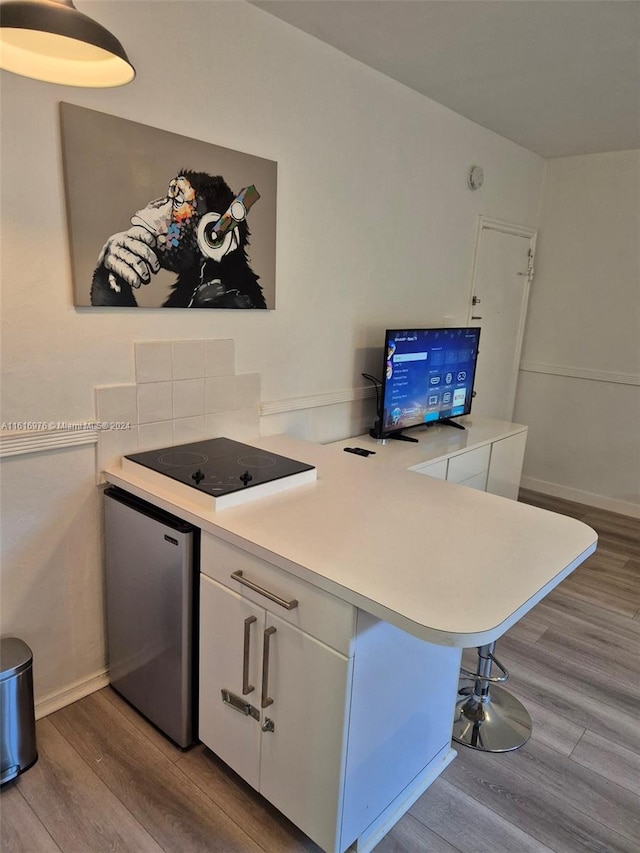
x=50, y=40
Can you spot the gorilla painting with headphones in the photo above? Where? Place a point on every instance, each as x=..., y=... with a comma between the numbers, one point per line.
x=198, y=231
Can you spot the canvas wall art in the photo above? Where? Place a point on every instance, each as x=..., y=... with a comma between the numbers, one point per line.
x=157, y=219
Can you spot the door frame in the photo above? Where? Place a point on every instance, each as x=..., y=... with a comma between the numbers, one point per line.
x=486, y=223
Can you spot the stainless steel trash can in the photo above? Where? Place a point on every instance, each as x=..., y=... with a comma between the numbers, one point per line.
x=17, y=712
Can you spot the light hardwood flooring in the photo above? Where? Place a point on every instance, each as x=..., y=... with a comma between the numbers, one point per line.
x=107, y=781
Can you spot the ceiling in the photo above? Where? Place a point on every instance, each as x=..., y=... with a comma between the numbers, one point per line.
x=559, y=77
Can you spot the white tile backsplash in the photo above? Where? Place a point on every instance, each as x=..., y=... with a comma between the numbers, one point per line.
x=114, y=444
x=243, y=425
x=155, y=435
x=247, y=423
x=154, y=361
x=188, y=359
x=155, y=402
x=219, y=358
x=188, y=398
x=185, y=391
x=219, y=394
x=247, y=391
x=117, y=403
x=189, y=429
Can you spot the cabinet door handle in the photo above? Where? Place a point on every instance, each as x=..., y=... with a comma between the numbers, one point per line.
x=246, y=687
x=288, y=605
x=266, y=701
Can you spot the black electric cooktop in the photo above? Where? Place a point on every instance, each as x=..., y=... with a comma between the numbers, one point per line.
x=219, y=466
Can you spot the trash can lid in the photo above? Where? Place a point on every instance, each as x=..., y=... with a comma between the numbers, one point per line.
x=15, y=657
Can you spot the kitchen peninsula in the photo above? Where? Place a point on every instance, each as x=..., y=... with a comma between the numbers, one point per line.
x=342, y=605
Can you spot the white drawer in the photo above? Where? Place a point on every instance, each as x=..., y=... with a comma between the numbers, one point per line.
x=466, y=465
x=434, y=469
x=318, y=613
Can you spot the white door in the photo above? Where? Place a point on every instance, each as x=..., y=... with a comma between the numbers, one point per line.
x=500, y=293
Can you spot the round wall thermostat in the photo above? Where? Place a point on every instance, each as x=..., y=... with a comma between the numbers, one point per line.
x=476, y=178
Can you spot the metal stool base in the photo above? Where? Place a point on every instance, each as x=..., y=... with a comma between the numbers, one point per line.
x=499, y=724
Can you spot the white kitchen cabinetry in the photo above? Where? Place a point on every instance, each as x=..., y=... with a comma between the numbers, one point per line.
x=486, y=455
x=394, y=605
x=504, y=473
x=292, y=749
x=470, y=468
x=223, y=616
x=338, y=739
x=436, y=469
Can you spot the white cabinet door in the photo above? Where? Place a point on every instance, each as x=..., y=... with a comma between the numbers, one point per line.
x=225, y=619
x=505, y=466
x=469, y=464
x=293, y=749
x=434, y=469
x=478, y=481
x=303, y=757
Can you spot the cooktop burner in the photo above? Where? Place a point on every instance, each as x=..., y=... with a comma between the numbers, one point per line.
x=221, y=466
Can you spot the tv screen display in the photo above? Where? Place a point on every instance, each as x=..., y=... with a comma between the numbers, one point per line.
x=428, y=376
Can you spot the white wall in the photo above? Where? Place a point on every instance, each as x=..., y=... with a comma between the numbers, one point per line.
x=375, y=228
x=579, y=389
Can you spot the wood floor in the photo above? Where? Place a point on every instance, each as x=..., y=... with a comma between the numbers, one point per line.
x=107, y=781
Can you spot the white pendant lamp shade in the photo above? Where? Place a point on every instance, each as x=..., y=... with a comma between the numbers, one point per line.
x=50, y=40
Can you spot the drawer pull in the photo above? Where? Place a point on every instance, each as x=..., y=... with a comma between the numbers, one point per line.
x=246, y=687
x=266, y=701
x=288, y=605
x=238, y=704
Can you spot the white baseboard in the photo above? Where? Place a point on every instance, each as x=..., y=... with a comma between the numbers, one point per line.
x=71, y=693
x=578, y=496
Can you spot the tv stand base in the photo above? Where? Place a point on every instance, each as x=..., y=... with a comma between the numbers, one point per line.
x=449, y=422
x=399, y=436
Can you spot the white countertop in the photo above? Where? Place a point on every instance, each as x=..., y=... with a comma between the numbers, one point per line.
x=434, y=442
x=446, y=563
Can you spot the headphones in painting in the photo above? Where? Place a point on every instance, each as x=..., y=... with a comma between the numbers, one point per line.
x=218, y=233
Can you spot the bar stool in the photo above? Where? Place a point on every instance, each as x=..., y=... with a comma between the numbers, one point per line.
x=491, y=720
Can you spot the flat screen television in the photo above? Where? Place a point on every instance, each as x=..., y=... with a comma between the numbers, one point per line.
x=428, y=377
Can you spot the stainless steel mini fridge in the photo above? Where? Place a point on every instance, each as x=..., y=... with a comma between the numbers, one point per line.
x=151, y=560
